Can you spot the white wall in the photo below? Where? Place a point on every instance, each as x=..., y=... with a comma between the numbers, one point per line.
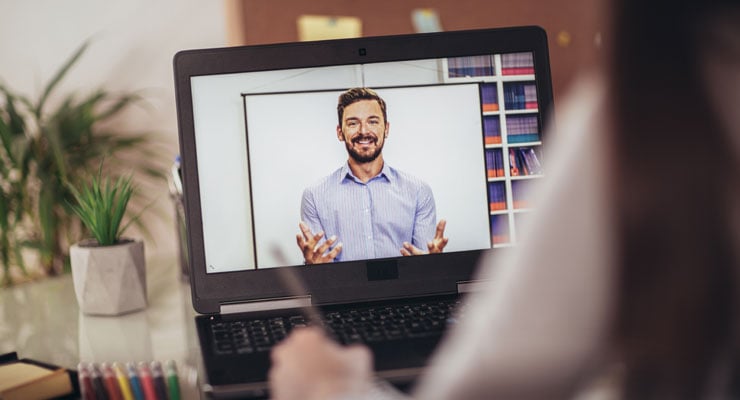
x=132, y=44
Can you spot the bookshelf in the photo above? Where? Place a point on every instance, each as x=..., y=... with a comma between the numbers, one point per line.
x=512, y=139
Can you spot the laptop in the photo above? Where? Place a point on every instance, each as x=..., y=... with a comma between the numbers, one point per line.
x=258, y=129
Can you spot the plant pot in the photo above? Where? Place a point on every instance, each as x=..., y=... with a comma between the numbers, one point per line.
x=109, y=280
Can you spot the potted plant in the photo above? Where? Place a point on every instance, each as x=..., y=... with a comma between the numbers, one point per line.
x=48, y=143
x=108, y=270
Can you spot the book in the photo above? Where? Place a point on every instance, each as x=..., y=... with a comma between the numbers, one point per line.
x=519, y=195
x=490, y=164
x=26, y=379
x=517, y=63
x=499, y=229
x=520, y=96
x=470, y=66
x=496, y=196
x=513, y=163
x=489, y=97
x=491, y=132
x=494, y=163
x=522, y=128
x=530, y=97
x=531, y=160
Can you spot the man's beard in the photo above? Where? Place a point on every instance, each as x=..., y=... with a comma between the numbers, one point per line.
x=360, y=158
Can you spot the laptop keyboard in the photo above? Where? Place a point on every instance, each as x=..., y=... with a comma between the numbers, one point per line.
x=358, y=325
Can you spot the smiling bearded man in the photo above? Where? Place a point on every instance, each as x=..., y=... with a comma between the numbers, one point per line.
x=376, y=210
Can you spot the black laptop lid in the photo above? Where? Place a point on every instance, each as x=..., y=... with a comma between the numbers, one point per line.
x=257, y=125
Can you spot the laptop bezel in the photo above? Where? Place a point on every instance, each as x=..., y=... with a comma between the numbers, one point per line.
x=346, y=281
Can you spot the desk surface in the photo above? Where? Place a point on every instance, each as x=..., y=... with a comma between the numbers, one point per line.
x=41, y=320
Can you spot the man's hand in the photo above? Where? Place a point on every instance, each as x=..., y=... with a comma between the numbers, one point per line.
x=313, y=253
x=307, y=365
x=435, y=246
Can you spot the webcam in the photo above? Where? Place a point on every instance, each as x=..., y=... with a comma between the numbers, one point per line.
x=362, y=51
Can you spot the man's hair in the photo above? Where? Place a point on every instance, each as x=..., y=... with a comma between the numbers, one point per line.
x=354, y=95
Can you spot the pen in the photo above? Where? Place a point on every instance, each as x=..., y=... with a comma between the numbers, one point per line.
x=123, y=381
x=133, y=378
x=172, y=382
x=147, y=384
x=111, y=384
x=86, y=389
x=158, y=377
x=97, y=383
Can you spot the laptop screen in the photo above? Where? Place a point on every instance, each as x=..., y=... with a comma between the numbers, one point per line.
x=265, y=147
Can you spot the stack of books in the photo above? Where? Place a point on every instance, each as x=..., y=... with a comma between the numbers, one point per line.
x=499, y=229
x=524, y=161
x=491, y=130
x=489, y=97
x=520, y=96
x=494, y=163
x=519, y=194
x=517, y=64
x=460, y=67
x=522, y=128
x=497, y=196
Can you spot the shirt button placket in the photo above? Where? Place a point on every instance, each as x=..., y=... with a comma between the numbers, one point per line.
x=368, y=223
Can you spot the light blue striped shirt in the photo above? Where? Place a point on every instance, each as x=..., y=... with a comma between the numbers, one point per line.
x=373, y=219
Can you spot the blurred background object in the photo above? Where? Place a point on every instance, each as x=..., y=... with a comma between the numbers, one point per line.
x=131, y=45
x=573, y=27
x=324, y=27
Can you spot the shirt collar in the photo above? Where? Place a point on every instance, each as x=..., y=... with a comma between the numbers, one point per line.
x=346, y=173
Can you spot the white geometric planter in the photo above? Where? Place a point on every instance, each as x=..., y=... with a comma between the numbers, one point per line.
x=109, y=280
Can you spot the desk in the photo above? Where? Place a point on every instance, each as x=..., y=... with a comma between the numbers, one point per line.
x=41, y=320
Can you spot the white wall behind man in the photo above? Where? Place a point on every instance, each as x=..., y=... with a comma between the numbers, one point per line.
x=132, y=43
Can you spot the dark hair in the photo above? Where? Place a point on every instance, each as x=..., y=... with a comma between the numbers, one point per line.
x=356, y=94
x=675, y=175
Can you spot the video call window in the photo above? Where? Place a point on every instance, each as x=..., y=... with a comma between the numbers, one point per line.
x=468, y=127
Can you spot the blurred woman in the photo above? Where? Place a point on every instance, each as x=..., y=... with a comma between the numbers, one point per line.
x=629, y=279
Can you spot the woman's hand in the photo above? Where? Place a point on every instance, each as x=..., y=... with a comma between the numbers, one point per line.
x=308, y=365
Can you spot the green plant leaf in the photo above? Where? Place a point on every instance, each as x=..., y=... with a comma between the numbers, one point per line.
x=118, y=105
x=6, y=138
x=16, y=122
x=101, y=205
x=58, y=77
x=48, y=223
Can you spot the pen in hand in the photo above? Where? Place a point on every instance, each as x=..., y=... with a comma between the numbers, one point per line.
x=296, y=287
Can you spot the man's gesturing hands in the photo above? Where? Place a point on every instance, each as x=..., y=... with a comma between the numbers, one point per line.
x=435, y=246
x=313, y=253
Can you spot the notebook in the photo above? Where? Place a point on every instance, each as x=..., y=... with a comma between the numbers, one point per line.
x=260, y=139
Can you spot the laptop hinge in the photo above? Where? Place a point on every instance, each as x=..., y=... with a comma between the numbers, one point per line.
x=469, y=286
x=266, y=305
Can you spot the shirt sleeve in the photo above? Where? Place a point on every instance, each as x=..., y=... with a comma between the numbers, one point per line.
x=425, y=221
x=379, y=390
x=539, y=324
x=309, y=211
